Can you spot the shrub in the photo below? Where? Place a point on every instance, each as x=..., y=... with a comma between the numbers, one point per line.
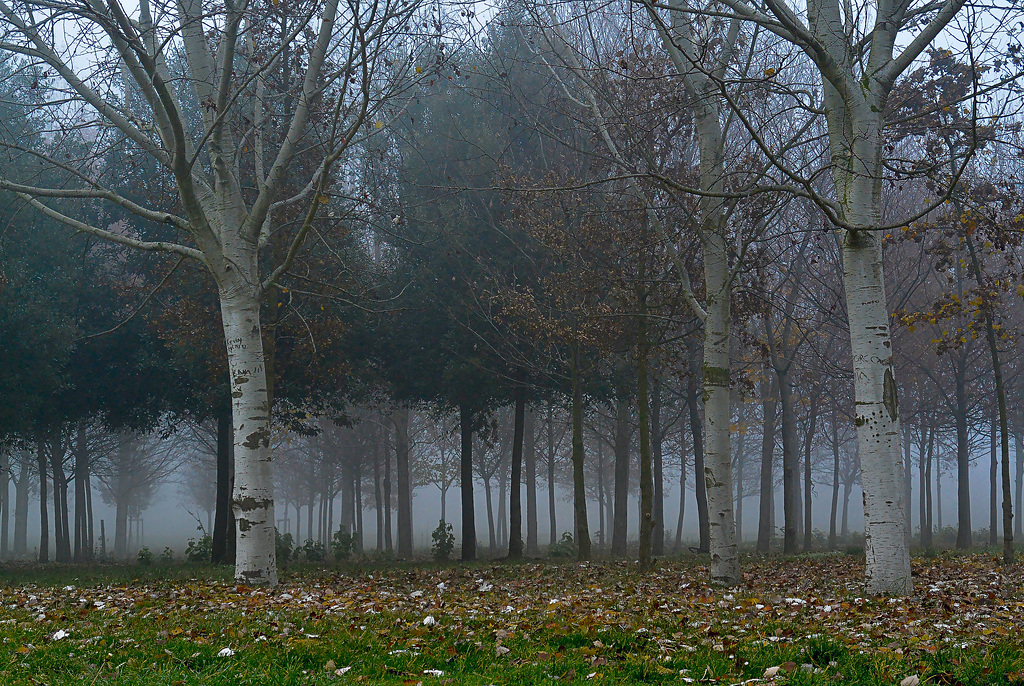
x=201, y=550
x=167, y=557
x=344, y=544
x=443, y=541
x=284, y=545
x=145, y=557
x=311, y=551
x=565, y=548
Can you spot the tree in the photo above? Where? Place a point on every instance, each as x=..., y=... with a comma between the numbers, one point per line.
x=214, y=129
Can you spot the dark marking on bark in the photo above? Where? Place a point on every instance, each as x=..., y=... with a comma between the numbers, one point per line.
x=716, y=376
x=260, y=436
x=889, y=394
x=249, y=503
x=237, y=394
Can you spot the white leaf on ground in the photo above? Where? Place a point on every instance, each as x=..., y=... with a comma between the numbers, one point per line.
x=912, y=680
x=225, y=652
x=429, y=620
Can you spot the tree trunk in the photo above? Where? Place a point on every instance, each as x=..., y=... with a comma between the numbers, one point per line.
x=646, y=560
x=552, y=522
x=222, y=550
x=877, y=417
x=790, y=466
x=765, y=531
x=252, y=500
x=832, y=533
x=602, y=497
x=466, y=484
x=21, y=498
x=501, y=523
x=388, y=543
x=401, y=420
x=700, y=484
x=5, y=502
x=993, y=483
x=1018, y=453
x=927, y=447
x=621, y=508
x=515, y=529
x=963, y=457
x=81, y=455
x=579, y=495
x=678, y=546
x=530, y=462
x=378, y=496
x=741, y=458
x=812, y=418
x=44, y=521
x=492, y=541
x=657, y=455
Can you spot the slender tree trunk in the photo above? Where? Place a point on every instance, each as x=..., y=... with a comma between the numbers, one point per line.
x=926, y=486
x=492, y=540
x=578, y=483
x=1003, y=420
x=832, y=541
x=89, y=513
x=401, y=420
x=790, y=465
x=602, y=496
x=378, y=496
x=657, y=455
x=530, y=462
x=621, y=510
x=515, y=529
x=963, y=458
x=44, y=521
x=5, y=502
x=466, y=484
x=765, y=528
x=553, y=534
x=993, y=483
x=938, y=494
x=1018, y=453
x=21, y=498
x=81, y=479
x=700, y=483
x=388, y=543
x=678, y=546
x=812, y=418
x=646, y=561
x=501, y=523
x=223, y=536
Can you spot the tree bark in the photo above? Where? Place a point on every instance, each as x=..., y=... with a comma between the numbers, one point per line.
x=621, y=497
x=963, y=456
x=44, y=521
x=697, y=433
x=388, y=542
x=812, y=418
x=765, y=531
x=530, y=462
x=466, y=484
x=790, y=465
x=1018, y=453
x=646, y=560
x=579, y=496
x=252, y=499
x=552, y=521
x=401, y=420
x=222, y=548
x=21, y=498
x=515, y=529
x=657, y=456
x=5, y=502
x=81, y=455
x=832, y=533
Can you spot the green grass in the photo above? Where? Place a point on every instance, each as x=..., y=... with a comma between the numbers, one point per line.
x=131, y=625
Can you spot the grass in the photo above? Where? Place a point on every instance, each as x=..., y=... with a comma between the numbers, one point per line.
x=509, y=624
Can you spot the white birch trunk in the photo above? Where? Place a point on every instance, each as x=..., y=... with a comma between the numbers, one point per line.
x=252, y=501
x=858, y=178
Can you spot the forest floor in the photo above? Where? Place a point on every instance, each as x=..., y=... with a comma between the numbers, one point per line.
x=525, y=623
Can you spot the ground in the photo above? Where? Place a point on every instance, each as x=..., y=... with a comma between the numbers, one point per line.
x=505, y=623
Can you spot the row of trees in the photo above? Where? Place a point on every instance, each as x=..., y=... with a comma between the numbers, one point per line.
x=662, y=208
